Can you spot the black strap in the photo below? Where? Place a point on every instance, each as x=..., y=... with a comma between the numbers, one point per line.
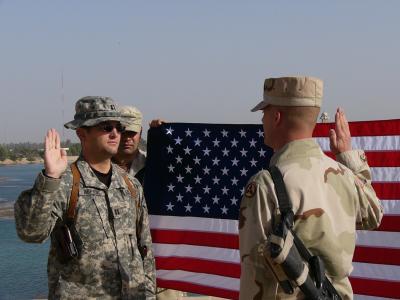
x=285, y=205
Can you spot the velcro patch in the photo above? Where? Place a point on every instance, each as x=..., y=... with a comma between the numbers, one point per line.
x=250, y=189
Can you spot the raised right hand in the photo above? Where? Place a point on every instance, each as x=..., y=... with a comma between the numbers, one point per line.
x=55, y=158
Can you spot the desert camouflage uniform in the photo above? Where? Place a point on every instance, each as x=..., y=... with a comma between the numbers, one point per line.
x=110, y=266
x=330, y=200
x=138, y=163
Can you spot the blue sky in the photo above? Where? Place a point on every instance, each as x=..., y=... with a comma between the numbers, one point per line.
x=191, y=61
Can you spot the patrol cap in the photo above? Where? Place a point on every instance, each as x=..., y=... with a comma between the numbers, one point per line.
x=291, y=91
x=131, y=118
x=92, y=110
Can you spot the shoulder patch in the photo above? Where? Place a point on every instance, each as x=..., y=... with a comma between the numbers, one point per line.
x=250, y=189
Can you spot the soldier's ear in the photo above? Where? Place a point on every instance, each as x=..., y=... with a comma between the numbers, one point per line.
x=81, y=133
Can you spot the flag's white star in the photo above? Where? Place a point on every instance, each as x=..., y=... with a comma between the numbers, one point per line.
x=224, y=133
x=170, y=187
x=196, y=160
x=234, y=143
x=206, y=132
x=188, y=188
x=197, y=142
x=197, y=199
x=178, y=140
x=188, y=132
x=244, y=152
x=188, y=207
x=224, y=191
x=234, y=181
x=206, y=170
x=169, y=130
x=224, y=171
x=260, y=133
x=169, y=149
x=262, y=153
x=224, y=210
x=253, y=162
x=243, y=172
x=215, y=199
x=171, y=168
x=242, y=133
x=187, y=150
x=242, y=191
x=215, y=161
x=197, y=179
x=206, y=190
x=188, y=169
x=234, y=201
x=178, y=159
x=179, y=178
x=252, y=143
x=225, y=152
x=170, y=206
x=206, y=209
x=234, y=162
x=216, y=180
x=216, y=142
x=179, y=197
x=206, y=151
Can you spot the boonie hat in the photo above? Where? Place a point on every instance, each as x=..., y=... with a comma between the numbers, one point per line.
x=92, y=110
x=131, y=118
x=291, y=91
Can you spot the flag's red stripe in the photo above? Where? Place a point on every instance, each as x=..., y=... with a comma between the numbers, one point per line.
x=373, y=287
x=379, y=158
x=363, y=128
x=198, y=289
x=390, y=223
x=210, y=239
x=376, y=255
x=387, y=190
x=198, y=266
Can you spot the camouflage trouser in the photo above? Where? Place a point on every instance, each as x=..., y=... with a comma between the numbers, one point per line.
x=167, y=294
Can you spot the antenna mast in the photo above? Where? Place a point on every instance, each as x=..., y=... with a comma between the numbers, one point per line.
x=62, y=106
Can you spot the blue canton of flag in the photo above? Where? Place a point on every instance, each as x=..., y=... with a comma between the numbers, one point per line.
x=201, y=170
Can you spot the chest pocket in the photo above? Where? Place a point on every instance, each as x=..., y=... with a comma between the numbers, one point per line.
x=92, y=218
x=124, y=211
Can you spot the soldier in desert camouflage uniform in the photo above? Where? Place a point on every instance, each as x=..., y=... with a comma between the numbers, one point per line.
x=111, y=221
x=330, y=198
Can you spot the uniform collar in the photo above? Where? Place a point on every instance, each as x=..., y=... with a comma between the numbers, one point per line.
x=296, y=149
x=90, y=179
x=138, y=163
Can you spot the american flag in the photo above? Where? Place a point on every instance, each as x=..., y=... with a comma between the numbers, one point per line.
x=195, y=179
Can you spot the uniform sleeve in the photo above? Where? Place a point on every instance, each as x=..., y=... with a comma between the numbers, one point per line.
x=370, y=211
x=37, y=209
x=255, y=219
x=145, y=240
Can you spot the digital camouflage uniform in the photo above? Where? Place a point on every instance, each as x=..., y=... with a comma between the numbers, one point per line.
x=330, y=200
x=110, y=266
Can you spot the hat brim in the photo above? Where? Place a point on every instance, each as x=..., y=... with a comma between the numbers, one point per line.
x=132, y=127
x=260, y=106
x=74, y=124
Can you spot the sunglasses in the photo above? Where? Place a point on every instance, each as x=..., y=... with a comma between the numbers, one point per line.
x=107, y=127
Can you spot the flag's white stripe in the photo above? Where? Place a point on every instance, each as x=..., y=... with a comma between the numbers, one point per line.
x=216, y=281
x=201, y=252
x=386, y=174
x=194, y=224
x=378, y=239
x=375, y=271
x=364, y=297
x=391, y=207
x=368, y=143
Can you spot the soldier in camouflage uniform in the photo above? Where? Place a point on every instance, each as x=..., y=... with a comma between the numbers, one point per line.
x=133, y=160
x=331, y=199
x=111, y=221
x=129, y=156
